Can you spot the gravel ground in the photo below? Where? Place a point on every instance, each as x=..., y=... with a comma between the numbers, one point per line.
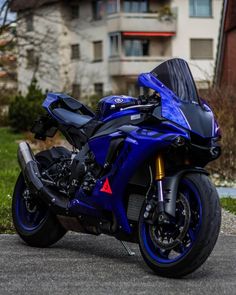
x=228, y=225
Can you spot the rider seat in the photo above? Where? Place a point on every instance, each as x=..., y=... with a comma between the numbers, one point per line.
x=70, y=118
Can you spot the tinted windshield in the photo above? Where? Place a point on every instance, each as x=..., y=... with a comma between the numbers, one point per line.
x=175, y=74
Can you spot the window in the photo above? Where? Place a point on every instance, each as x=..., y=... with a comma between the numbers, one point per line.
x=97, y=50
x=201, y=48
x=200, y=8
x=98, y=89
x=133, y=88
x=136, y=47
x=74, y=11
x=30, y=56
x=75, y=52
x=98, y=9
x=136, y=6
x=111, y=6
x=76, y=90
x=114, y=45
x=29, y=23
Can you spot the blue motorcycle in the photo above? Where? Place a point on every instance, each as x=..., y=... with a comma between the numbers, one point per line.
x=135, y=172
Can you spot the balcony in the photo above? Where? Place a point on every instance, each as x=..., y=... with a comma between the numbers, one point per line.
x=133, y=66
x=140, y=22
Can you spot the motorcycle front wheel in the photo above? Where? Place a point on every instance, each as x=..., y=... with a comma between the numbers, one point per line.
x=180, y=247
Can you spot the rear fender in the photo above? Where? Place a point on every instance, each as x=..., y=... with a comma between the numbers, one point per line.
x=170, y=187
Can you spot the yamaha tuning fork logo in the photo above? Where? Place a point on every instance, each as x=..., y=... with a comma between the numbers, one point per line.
x=118, y=100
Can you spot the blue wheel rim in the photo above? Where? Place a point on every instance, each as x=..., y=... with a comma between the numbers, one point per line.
x=26, y=220
x=161, y=256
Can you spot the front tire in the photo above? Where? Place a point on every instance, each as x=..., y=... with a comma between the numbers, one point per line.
x=32, y=219
x=177, y=260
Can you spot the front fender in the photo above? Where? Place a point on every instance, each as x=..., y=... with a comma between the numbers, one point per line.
x=170, y=187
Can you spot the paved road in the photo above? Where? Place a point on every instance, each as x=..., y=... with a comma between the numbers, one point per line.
x=81, y=264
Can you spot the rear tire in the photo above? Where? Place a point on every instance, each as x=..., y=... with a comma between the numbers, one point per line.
x=201, y=240
x=37, y=226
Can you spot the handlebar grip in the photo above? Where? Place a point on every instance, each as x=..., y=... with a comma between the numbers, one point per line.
x=123, y=105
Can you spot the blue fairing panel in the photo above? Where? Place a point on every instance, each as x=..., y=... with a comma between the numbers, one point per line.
x=110, y=105
x=170, y=105
x=51, y=98
x=139, y=146
x=190, y=115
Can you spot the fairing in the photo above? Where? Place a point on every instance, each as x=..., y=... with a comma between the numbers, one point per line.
x=179, y=98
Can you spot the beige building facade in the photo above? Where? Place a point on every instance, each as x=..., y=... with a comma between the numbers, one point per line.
x=87, y=47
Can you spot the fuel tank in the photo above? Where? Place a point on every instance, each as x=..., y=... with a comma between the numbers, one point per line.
x=111, y=104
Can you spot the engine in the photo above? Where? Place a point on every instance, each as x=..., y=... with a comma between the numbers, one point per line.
x=73, y=171
x=84, y=172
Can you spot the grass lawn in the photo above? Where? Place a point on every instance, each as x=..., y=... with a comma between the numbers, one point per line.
x=9, y=171
x=229, y=204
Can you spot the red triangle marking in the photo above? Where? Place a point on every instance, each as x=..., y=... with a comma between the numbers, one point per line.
x=106, y=187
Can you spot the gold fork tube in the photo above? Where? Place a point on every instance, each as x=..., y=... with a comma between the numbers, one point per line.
x=160, y=169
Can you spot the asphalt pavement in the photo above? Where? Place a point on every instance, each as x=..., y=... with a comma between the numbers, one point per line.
x=83, y=264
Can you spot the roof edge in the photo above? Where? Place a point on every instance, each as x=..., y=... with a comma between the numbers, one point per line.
x=21, y=5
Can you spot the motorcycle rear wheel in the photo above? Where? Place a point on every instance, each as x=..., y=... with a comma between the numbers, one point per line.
x=168, y=257
x=34, y=222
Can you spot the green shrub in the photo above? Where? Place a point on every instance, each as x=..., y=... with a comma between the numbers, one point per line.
x=4, y=116
x=24, y=110
x=6, y=96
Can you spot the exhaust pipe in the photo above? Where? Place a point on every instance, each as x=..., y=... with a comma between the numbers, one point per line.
x=29, y=167
x=32, y=176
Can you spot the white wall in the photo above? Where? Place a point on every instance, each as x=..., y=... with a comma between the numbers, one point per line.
x=84, y=31
x=201, y=28
x=45, y=41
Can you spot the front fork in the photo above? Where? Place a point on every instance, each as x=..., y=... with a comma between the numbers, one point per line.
x=155, y=208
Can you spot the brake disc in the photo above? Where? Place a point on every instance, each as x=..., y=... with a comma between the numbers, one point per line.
x=168, y=236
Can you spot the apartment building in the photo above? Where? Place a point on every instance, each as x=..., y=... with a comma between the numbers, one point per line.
x=87, y=47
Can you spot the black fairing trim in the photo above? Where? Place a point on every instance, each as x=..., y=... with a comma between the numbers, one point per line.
x=170, y=188
x=128, y=128
x=113, y=125
x=55, y=153
x=115, y=143
x=44, y=127
x=200, y=120
x=74, y=105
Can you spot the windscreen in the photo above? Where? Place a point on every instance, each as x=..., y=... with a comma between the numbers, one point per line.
x=175, y=74
x=179, y=98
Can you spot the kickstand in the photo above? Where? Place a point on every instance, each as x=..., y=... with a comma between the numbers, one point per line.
x=127, y=248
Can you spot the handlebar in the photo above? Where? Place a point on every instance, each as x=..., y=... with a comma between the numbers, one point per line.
x=143, y=100
x=154, y=98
